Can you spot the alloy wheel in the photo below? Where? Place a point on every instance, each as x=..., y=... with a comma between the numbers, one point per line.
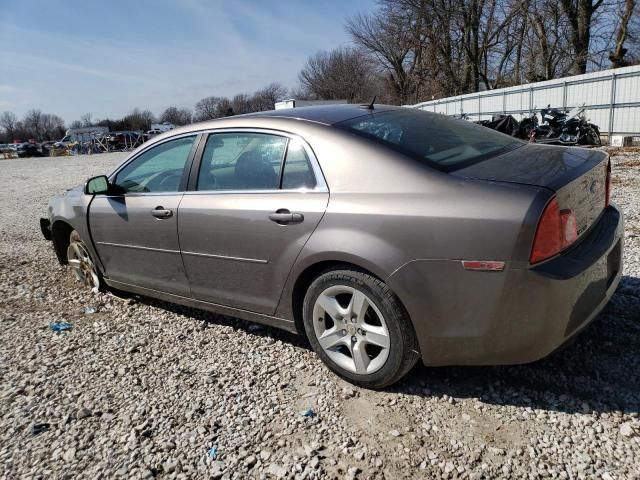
x=351, y=329
x=83, y=267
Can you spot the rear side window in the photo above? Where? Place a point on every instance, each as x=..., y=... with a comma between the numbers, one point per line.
x=443, y=142
x=297, y=168
x=242, y=161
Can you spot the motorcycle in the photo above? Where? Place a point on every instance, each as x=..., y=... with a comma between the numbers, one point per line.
x=502, y=123
x=561, y=128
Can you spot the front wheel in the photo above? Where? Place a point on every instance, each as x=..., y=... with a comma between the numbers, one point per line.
x=359, y=328
x=83, y=267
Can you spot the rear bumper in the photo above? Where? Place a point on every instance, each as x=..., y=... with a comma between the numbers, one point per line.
x=516, y=316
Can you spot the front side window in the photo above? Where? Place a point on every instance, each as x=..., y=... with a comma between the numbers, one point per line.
x=242, y=161
x=442, y=142
x=159, y=169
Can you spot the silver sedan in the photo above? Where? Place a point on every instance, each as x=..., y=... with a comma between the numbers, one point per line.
x=383, y=234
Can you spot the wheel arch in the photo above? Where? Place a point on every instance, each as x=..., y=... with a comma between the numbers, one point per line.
x=60, y=232
x=313, y=271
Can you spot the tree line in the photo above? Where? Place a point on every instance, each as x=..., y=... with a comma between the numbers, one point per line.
x=39, y=126
x=406, y=51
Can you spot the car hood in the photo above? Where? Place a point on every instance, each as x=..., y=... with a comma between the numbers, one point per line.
x=540, y=165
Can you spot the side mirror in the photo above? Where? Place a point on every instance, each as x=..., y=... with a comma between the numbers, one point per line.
x=97, y=185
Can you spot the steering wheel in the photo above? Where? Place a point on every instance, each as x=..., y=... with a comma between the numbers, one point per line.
x=170, y=181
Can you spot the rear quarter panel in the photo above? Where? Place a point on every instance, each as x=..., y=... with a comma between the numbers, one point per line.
x=386, y=210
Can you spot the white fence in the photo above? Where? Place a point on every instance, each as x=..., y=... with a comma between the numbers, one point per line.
x=612, y=99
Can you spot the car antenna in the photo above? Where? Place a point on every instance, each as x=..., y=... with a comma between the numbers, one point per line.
x=369, y=106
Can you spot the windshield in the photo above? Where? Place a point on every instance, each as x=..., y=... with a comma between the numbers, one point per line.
x=445, y=143
x=575, y=111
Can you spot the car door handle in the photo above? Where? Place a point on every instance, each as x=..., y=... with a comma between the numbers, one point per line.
x=285, y=217
x=161, y=212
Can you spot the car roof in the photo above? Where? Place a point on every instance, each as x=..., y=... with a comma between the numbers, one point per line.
x=325, y=114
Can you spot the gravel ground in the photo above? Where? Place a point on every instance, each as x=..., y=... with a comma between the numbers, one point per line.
x=143, y=389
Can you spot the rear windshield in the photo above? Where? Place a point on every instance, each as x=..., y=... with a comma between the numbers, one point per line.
x=444, y=142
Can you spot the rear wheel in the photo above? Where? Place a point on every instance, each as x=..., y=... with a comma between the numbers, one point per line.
x=82, y=265
x=359, y=328
x=591, y=136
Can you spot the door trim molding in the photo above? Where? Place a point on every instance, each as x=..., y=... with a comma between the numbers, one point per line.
x=193, y=254
x=137, y=247
x=225, y=257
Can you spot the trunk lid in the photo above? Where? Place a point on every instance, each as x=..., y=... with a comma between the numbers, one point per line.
x=577, y=175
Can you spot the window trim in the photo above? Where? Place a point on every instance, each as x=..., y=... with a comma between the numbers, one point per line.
x=321, y=184
x=185, y=172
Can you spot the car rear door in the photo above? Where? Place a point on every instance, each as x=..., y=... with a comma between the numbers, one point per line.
x=254, y=199
x=136, y=233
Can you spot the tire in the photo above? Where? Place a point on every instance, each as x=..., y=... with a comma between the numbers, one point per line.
x=82, y=264
x=591, y=136
x=351, y=341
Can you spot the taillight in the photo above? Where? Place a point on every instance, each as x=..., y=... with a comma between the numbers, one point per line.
x=608, y=186
x=557, y=229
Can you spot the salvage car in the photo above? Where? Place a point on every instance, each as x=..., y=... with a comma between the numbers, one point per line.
x=383, y=234
x=28, y=149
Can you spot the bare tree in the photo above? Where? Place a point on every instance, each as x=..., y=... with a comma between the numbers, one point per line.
x=433, y=48
x=211, y=107
x=176, y=116
x=33, y=124
x=241, y=103
x=394, y=37
x=547, y=52
x=344, y=73
x=52, y=127
x=579, y=15
x=86, y=120
x=266, y=98
x=9, y=123
x=138, y=119
x=617, y=56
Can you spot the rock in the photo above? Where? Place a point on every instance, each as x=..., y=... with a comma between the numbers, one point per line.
x=217, y=469
x=69, y=455
x=348, y=392
x=394, y=433
x=169, y=466
x=265, y=455
x=352, y=473
x=83, y=413
x=626, y=430
x=277, y=470
x=250, y=461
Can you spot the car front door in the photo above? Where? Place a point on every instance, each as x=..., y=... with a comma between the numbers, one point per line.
x=252, y=204
x=136, y=231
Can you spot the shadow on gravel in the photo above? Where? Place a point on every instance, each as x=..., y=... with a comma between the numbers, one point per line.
x=597, y=371
x=223, y=320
